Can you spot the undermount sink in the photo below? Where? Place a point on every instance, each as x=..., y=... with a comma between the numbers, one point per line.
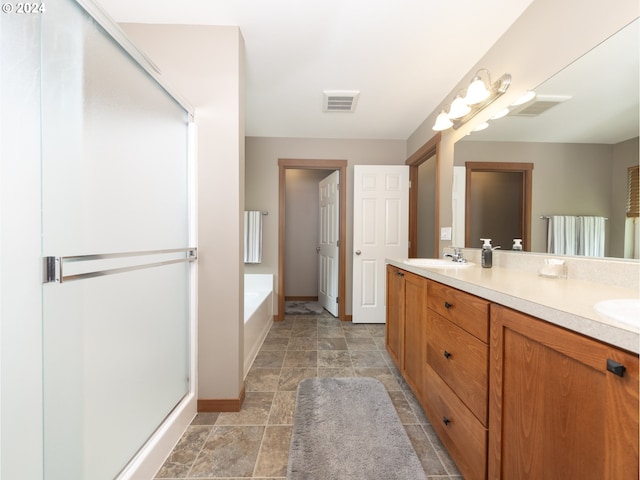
x=625, y=310
x=436, y=263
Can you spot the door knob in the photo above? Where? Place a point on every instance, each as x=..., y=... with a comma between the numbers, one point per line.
x=317, y=249
x=358, y=252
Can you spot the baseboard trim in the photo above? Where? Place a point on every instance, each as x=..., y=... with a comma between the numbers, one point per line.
x=211, y=405
x=348, y=318
x=301, y=299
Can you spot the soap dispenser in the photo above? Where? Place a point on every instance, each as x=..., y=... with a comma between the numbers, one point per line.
x=487, y=253
x=517, y=245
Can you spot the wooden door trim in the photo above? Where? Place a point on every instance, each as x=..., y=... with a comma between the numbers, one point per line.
x=527, y=184
x=285, y=164
x=424, y=153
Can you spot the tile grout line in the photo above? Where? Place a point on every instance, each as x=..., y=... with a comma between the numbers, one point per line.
x=201, y=449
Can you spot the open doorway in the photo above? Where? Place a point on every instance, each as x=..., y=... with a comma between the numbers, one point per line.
x=424, y=195
x=285, y=232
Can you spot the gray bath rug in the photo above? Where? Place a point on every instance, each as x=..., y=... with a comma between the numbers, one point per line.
x=302, y=308
x=347, y=428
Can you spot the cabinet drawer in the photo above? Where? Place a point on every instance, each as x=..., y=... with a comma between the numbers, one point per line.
x=461, y=360
x=464, y=437
x=467, y=311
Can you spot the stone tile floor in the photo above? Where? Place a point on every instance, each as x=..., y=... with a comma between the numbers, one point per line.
x=254, y=443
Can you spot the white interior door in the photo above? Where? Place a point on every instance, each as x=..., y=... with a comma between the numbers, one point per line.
x=380, y=230
x=328, y=243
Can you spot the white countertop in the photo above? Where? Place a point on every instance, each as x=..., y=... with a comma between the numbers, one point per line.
x=568, y=303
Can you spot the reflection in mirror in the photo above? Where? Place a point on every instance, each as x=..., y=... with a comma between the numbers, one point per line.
x=581, y=134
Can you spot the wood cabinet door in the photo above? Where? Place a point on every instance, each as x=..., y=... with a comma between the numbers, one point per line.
x=556, y=412
x=395, y=313
x=415, y=313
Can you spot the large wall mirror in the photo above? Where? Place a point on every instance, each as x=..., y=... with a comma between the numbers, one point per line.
x=580, y=134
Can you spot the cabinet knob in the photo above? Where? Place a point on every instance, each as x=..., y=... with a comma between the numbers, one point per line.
x=400, y=274
x=615, y=367
x=447, y=355
x=446, y=421
x=447, y=305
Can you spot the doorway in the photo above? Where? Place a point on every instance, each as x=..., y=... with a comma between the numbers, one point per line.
x=328, y=166
x=424, y=200
x=498, y=203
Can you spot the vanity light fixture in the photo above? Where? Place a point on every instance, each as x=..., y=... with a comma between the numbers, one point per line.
x=443, y=122
x=478, y=96
x=500, y=113
x=527, y=97
x=459, y=108
x=477, y=90
x=481, y=127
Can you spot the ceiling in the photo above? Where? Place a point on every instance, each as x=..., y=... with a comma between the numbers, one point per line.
x=403, y=56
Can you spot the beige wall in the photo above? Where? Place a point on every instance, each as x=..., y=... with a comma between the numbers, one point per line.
x=548, y=36
x=303, y=214
x=205, y=64
x=261, y=182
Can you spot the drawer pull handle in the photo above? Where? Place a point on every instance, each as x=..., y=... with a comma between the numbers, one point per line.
x=615, y=367
x=447, y=355
x=446, y=421
x=447, y=305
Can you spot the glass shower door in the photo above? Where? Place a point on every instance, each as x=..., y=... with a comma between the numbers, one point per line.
x=115, y=238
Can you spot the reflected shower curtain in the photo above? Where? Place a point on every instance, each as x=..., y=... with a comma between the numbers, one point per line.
x=591, y=236
x=561, y=235
x=252, y=237
x=576, y=235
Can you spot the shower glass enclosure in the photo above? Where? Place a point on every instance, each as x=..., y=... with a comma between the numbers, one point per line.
x=116, y=245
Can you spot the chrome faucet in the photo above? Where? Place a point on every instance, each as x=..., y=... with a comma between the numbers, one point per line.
x=456, y=256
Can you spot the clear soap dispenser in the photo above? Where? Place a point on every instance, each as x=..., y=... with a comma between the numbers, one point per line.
x=487, y=253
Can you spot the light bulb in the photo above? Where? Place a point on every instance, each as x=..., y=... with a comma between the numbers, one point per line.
x=458, y=108
x=442, y=122
x=477, y=91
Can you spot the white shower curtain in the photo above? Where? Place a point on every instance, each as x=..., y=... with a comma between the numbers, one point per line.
x=576, y=235
x=252, y=237
x=591, y=236
x=561, y=235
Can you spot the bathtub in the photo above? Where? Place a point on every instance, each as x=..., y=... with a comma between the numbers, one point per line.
x=258, y=314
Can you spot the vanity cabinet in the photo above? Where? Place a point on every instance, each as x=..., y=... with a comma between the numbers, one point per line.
x=456, y=375
x=561, y=405
x=406, y=320
x=512, y=396
x=395, y=313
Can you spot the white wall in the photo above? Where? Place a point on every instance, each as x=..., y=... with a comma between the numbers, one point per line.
x=261, y=183
x=205, y=64
x=549, y=35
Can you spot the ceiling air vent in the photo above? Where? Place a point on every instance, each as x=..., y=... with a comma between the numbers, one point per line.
x=539, y=105
x=340, y=101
